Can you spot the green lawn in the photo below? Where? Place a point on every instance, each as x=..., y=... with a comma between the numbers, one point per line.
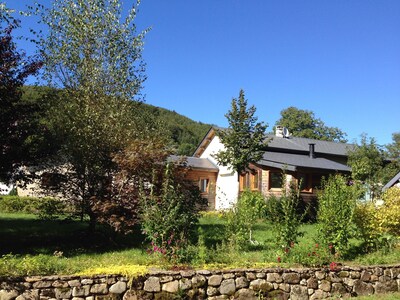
x=34, y=247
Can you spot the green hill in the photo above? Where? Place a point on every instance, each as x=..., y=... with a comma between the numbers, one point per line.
x=184, y=133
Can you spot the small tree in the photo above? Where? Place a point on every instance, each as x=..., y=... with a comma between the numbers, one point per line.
x=94, y=55
x=241, y=219
x=284, y=216
x=244, y=140
x=337, y=202
x=366, y=162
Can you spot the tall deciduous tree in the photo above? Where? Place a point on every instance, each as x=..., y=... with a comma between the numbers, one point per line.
x=303, y=123
x=366, y=161
x=94, y=55
x=16, y=116
x=244, y=140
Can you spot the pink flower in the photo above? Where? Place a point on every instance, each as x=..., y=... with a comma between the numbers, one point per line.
x=316, y=245
x=332, y=266
x=279, y=259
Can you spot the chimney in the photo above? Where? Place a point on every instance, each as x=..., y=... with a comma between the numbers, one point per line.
x=312, y=150
x=279, y=131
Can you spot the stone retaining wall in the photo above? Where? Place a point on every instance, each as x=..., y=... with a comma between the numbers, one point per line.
x=276, y=283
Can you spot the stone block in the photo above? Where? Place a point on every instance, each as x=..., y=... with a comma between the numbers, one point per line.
x=228, y=276
x=250, y=276
x=152, y=284
x=241, y=282
x=29, y=295
x=118, y=287
x=318, y=294
x=165, y=279
x=320, y=275
x=99, y=288
x=261, y=285
x=86, y=281
x=62, y=293
x=362, y=288
x=325, y=285
x=73, y=283
x=215, y=280
x=42, y=284
x=8, y=295
x=198, y=281
x=212, y=291
x=386, y=287
x=227, y=287
x=245, y=294
x=171, y=287
x=80, y=291
x=312, y=283
x=189, y=273
x=299, y=292
x=260, y=275
x=59, y=284
x=365, y=276
x=291, y=278
x=185, y=284
x=274, y=277
x=284, y=287
x=354, y=275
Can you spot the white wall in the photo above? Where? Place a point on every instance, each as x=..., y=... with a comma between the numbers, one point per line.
x=5, y=189
x=227, y=180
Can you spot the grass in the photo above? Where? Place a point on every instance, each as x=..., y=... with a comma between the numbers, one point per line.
x=30, y=246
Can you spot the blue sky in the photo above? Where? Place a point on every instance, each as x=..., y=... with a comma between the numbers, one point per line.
x=339, y=59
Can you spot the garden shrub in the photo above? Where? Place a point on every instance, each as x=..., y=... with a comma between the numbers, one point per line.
x=45, y=208
x=242, y=217
x=168, y=214
x=365, y=218
x=337, y=202
x=388, y=214
x=283, y=213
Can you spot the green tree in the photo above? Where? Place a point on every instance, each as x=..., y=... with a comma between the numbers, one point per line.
x=94, y=55
x=303, y=123
x=337, y=203
x=366, y=161
x=244, y=140
x=17, y=117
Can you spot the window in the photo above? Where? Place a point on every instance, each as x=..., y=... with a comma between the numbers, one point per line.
x=275, y=180
x=254, y=178
x=204, y=185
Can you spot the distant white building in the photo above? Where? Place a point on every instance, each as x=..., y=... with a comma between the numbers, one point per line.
x=5, y=189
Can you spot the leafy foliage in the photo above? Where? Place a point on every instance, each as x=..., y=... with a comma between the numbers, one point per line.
x=366, y=162
x=303, y=123
x=389, y=213
x=283, y=213
x=169, y=211
x=244, y=140
x=241, y=219
x=94, y=55
x=16, y=122
x=337, y=202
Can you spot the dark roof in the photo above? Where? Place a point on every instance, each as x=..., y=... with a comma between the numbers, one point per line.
x=302, y=144
x=392, y=182
x=196, y=162
x=291, y=162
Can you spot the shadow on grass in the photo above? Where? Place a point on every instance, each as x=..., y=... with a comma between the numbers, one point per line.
x=33, y=236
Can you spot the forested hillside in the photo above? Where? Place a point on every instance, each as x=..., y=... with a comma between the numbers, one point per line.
x=184, y=133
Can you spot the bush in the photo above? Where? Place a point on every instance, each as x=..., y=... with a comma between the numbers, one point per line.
x=45, y=208
x=18, y=204
x=365, y=218
x=168, y=215
x=389, y=213
x=283, y=213
x=242, y=217
x=337, y=202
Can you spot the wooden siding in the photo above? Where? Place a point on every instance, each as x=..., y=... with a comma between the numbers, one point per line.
x=196, y=175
